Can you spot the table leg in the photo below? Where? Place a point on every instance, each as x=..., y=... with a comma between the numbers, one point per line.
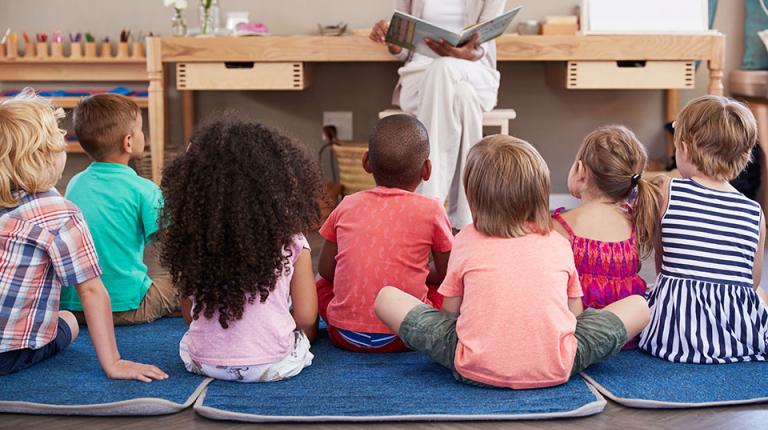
x=671, y=109
x=156, y=106
x=188, y=113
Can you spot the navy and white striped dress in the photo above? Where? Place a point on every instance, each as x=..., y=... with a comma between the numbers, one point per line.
x=703, y=307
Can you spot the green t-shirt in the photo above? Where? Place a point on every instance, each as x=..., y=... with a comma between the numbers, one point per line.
x=122, y=211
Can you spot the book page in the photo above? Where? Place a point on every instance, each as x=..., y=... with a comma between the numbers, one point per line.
x=409, y=32
x=490, y=29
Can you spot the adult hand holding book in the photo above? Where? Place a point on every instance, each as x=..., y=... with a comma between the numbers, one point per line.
x=379, y=33
x=471, y=50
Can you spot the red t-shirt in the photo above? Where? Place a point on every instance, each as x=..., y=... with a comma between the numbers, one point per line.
x=514, y=328
x=384, y=237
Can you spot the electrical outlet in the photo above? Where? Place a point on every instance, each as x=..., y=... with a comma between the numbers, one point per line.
x=343, y=122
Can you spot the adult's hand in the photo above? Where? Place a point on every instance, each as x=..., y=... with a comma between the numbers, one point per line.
x=469, y=51
x=379, y=35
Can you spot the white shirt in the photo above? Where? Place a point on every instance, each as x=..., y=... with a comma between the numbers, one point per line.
x=449, y=14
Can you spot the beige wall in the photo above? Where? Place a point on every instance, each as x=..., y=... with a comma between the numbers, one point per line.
x=554, y=120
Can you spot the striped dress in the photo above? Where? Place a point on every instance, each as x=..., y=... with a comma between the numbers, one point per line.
x=703, y=307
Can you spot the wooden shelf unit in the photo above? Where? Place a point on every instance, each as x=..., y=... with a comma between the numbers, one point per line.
x=71, y=102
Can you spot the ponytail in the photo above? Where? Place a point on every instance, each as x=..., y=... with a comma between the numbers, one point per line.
x=645, y=216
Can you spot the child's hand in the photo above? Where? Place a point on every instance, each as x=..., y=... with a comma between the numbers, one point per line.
x=124, y=369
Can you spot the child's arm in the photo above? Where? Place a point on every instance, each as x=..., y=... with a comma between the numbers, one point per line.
x=757, y=268
x=186, y=310
x=304, y=295
x=326, y=267
x=98, y=315
x=452, y=305
x=440, y=268
x=575, y=305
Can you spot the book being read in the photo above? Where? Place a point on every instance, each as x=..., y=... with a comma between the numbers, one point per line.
x=409, y=32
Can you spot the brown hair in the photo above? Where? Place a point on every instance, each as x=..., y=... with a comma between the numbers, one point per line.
x=615, y=160
x=102, y=121
x=507, y=185
x=719, y=133
x=30, y=138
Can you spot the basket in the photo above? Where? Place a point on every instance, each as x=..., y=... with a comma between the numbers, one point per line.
x=353, y=177
x=143, y=166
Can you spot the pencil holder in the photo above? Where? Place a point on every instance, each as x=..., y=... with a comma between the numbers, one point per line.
x=2, y=51
x=137, y=50
x=29, y=50
x=42, y=50
x=122, y=50
x=105, y=50
x=57, y=50
x=11, y=50
x=76, y=50
x=90, y=49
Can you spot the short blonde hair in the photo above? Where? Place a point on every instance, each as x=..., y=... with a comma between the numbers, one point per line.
x=30, y=137
x=719, y=133
x=507, y=185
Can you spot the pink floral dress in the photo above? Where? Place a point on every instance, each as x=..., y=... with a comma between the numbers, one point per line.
x=608, y=271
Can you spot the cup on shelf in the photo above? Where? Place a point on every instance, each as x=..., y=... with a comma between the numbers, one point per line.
x=29, y=50
x=2, y=51
x=105, y=50
x=11, y=50
x=137, y=50
x=90, y=49
x=76, y=50
x=57, y=50
x=122, y=49
x=42, y=49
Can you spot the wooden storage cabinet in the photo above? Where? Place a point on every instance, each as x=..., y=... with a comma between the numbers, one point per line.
x=627, y=75
x=242, y=75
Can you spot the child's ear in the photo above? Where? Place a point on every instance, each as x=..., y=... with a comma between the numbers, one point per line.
x=581, y=171
x=426, y=170
x=367, y=163
x=127, y=144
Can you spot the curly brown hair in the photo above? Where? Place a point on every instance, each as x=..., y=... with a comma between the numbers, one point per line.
x=233, y=204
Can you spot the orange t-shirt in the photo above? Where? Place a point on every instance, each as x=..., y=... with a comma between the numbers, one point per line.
x=384, y=238
x=514, y=327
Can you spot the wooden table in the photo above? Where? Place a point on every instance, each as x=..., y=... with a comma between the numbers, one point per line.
x=315, y=49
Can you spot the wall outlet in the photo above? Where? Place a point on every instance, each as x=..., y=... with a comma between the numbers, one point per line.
x=343, y=122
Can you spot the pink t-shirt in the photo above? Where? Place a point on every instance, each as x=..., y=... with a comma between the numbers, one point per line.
x=384, y=238
x=263, y=335
x=514, y=326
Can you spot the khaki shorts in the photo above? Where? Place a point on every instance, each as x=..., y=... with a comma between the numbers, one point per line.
x=599, y=335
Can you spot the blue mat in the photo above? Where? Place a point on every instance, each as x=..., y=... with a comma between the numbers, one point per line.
x=346, y=386
x=638, y=380
x=72, y=382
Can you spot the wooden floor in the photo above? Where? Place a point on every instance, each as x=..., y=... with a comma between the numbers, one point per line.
x=614, y=417
x=752, y=417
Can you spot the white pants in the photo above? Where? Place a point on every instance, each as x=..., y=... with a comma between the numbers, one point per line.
x=449, y=97
x=289, y=366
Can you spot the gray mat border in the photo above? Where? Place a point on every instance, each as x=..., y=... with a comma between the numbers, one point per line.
x=591, y=408
x=658, y=404
x=143, y=406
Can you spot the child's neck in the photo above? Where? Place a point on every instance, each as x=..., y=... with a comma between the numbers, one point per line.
x=590, y=197
x=713, y=183
x=123, y=159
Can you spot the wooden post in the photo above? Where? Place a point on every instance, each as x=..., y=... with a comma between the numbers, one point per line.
x=716, y=65
x=156, y=106
x=187, y=114
x=671, y=109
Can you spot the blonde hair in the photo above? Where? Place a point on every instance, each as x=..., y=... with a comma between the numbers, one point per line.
x=29, y=138
x=719, y=133
x=615, y=160
x=507, y=185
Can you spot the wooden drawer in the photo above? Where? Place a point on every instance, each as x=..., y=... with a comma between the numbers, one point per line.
x=241, y=76
x=627, y=75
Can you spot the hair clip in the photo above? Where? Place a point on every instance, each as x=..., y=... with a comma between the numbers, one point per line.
x=635, y=179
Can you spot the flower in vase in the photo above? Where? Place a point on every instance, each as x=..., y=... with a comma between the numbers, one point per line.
x=177, y=4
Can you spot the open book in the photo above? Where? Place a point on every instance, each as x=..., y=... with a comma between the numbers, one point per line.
x=409, y=32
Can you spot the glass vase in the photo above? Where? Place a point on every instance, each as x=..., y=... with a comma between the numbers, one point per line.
x=178, y=26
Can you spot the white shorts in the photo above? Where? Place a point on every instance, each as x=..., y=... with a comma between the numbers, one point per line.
x=289, y=366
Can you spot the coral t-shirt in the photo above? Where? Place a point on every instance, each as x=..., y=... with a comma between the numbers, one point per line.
x=384, y=237
x=514, y=327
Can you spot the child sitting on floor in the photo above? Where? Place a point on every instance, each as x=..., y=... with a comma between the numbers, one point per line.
x=236, y=205
x=705, y=307
x=44, y=243
x=383, y=236
x=616, y=221
x=121, y=209
x=512, y=314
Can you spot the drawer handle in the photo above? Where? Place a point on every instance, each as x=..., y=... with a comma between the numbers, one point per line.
x=239, y=64
x=631, y=64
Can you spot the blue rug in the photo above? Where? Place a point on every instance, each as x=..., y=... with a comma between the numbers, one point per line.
x=72, y=382
x=636, y=379
x=346, y=386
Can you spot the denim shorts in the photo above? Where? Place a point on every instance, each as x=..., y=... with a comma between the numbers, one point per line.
x=13, y=361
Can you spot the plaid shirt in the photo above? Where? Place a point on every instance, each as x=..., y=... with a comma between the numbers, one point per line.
x=44, y=243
